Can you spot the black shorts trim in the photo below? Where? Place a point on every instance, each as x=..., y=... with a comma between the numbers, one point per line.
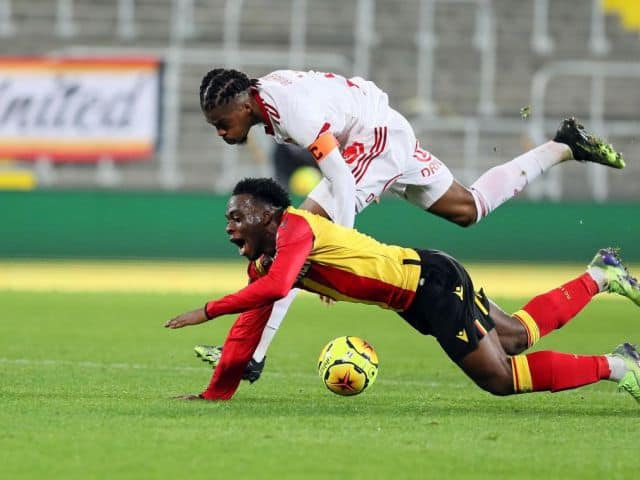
x=447, y=306
x=411, y=261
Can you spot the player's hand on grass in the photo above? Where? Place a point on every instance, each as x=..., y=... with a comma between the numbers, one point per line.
x=188, y=396
x=327, y=300
x=193, y=317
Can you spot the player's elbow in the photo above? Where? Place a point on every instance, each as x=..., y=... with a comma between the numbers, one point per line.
x=279, y=292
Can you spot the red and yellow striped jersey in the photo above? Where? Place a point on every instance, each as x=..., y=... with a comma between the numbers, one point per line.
x=321, y=256
x=347, y=265
x=316, y=255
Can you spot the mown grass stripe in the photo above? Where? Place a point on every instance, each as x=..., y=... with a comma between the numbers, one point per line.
x=499, y=280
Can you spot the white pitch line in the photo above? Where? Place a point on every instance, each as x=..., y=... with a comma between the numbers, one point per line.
x=141, y=366
x=87, y=364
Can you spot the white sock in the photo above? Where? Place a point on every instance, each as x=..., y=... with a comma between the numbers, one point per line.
x=617, y=367
x=599, y=277
x=499, y=184
x=277, y=315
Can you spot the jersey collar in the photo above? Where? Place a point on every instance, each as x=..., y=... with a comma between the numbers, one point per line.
x=268, y=126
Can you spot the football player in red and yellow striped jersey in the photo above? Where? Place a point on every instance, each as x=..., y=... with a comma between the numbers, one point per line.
x=289, y=247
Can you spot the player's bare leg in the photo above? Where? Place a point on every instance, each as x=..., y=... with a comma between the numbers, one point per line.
x=467, y=206
x=456, y=205
x=549, y=370
x=552, y=310
x=512, y=333
x=489, y=366
x=500, y=374
x=497, y=185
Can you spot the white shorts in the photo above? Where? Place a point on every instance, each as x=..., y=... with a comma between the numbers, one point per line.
x=389, y=157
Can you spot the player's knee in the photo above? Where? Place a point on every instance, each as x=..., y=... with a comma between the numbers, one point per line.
x=466, y=216
x=513, y=336
x=517, y=340
x=520, y=346
x=515, y=345
x=499, y=385
x=497, y=380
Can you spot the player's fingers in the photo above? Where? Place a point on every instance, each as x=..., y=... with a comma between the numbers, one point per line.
x=192, y=396
x=326, y=300
x=174, y=323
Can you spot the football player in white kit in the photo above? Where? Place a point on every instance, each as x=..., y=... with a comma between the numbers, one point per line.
x=363, y=148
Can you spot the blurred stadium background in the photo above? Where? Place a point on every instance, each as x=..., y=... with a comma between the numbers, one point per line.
x=463, y=71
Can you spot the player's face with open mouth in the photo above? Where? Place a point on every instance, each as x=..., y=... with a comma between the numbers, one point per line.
x=246, y=226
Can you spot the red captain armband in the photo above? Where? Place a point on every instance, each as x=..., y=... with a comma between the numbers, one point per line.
x=323, y=146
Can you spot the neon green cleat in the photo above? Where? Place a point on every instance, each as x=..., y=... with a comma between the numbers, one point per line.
x=617, y=277
x=212, y=354
x=587, y=147
x=631, y=380
x=208, y=353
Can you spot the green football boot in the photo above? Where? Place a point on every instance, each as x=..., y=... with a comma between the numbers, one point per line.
x=587, y=147
x=211, y=354
x=208, y=353
x=618, y=279
x=631, y=380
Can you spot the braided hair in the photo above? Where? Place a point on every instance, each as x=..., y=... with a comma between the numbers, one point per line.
x=266, y=190
x=220, y=86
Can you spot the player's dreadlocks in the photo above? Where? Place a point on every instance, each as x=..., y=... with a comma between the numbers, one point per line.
x=219, y=86
x=264, y=189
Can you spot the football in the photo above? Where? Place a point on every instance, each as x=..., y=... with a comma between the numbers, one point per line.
x=348, y=365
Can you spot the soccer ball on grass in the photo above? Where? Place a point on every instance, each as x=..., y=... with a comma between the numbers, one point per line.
x=348, y=365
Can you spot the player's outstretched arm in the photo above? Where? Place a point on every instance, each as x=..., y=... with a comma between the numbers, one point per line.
x=343, y=185
x=194, y=317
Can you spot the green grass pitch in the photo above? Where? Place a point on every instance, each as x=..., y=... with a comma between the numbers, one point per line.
x=87, y=380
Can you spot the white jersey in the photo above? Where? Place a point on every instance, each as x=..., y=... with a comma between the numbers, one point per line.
x=301, y=105
x=377, y=143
